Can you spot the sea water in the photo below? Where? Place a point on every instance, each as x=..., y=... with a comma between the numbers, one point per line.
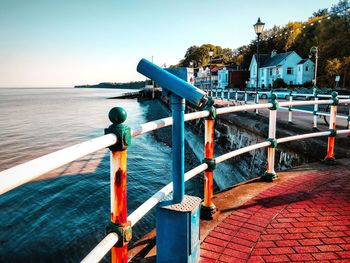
x=62, y=215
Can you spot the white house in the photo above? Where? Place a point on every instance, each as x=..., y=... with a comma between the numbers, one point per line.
x=288, y=66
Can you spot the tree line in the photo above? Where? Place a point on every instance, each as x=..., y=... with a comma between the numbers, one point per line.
x=328, y=29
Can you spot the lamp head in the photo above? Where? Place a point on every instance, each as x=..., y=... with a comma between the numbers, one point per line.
x=259, y=27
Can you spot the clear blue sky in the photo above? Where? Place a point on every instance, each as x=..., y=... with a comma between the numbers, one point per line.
x=56, y=43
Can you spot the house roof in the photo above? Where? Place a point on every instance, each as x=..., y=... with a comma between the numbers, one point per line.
x=268, y=61
x=303, y=61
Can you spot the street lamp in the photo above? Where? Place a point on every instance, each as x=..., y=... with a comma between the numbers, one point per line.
x=258, y=27
x=314, y=52
x=211, y=53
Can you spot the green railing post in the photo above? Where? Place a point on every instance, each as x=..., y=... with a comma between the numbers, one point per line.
x=118, y=184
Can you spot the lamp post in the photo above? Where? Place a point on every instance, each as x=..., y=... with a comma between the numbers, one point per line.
x=211, y=53
x=258, y=27
x=314, y=52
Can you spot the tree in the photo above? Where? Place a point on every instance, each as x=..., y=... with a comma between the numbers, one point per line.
x=320, y=12
x=279, y=83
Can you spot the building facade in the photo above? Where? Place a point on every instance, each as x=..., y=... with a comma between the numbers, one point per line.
x=288, y=66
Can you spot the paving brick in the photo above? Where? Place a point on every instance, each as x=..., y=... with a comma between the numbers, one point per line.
x=301, y=257
x=276, y=258
x=345, y=254
x=276, y=231
x=206, y=260
x=216, y=241
x=333, y=240
x=235, y=253
x=241, y=241
x=265, y=244
x=286, y=220
x=314, y=235
x=271, y=237
x=297, y=230
x=306, y=219
x=326, y=248
x=220, y=235
x=310, y=242
x=230, y=259
x=281, y=250
x=287, y=243
x=260, y=252
x=305, y=249
x=324, y=256
x=249, y=237
x=256, y=259
x=212, y=247
x=281, y=225
x=292, y=236
x=239, y=247
x=224, y=230
x=335, y=234
x=209, y=254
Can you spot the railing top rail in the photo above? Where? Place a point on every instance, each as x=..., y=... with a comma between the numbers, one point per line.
x=28, y=171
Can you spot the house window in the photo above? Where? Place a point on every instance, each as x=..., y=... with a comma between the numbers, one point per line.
x=307, y=68
x=270, y=71
x=299, y=68
x=277, y=72
x=262, y=72
x=289, y=71
x=290, y=82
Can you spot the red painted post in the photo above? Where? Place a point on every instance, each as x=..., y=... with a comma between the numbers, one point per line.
x=208, y=154
x=118, y=185
x=118, y=200
x=208, y=209
x=329, y=159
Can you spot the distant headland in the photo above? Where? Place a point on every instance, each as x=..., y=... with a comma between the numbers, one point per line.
x=114, y=85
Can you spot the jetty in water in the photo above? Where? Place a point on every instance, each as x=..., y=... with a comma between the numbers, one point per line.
x=296, y=215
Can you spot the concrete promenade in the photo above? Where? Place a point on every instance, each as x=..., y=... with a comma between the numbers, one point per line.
x=302, y=216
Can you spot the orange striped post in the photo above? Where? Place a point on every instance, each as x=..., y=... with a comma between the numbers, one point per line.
x=208, y=209
x=118, y=185
x=329, y=159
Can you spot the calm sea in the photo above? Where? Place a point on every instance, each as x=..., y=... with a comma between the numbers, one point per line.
x=62, y=216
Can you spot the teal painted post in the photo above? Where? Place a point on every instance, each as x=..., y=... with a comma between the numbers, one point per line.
x=178, y=147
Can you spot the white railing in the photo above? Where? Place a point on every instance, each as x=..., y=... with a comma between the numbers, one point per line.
x=23, y=173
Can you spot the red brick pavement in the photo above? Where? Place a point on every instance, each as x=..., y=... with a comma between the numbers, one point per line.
x=306, y=218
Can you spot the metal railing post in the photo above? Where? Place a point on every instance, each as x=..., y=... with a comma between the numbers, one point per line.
x=349, y=120
x=178, y=147
x=290, y=109
x=228, y=97
x=245, y=98
x=236, y=96
x=314, y=122
x=329, y=159
x=208, y=209
x=118, y=185
x=270, y=173
x=257, y=102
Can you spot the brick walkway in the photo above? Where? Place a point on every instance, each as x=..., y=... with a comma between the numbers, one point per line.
x=306, y=218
